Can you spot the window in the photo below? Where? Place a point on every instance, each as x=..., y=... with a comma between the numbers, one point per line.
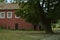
x=17, y=16
x=9, y=14
x=2, y=15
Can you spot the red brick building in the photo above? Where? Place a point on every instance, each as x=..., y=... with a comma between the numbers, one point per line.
x=9, y=20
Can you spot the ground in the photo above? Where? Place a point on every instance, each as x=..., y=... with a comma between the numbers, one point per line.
x=28, y=35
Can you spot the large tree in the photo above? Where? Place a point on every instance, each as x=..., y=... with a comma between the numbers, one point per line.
x=40, y=12
x=1, y=0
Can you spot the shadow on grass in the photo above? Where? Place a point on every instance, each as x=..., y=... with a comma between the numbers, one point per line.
x=56, y=32
x=39, y=33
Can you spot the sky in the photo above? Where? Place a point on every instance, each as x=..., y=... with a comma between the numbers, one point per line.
x=8, y=1
x=12, y=1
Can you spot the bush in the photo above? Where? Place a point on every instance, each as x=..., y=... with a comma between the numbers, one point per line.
x=54, y=26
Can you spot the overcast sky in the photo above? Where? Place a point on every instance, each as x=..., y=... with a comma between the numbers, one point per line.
x=8, y=1
x=12, y=1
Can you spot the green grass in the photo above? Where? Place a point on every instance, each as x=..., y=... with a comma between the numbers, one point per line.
x=22, y=35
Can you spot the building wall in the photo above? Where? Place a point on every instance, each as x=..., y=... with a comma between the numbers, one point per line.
x=10, y=22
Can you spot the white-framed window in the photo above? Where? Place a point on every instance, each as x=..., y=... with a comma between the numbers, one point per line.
x=2, y=14
x=9, y=14
x=16, y=16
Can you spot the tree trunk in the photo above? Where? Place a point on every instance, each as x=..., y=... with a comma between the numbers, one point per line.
x=44, y=22
x=48, y=27
x=40, y=28
x=35, y=27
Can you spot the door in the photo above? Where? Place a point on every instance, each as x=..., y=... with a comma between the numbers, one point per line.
x=16, y=26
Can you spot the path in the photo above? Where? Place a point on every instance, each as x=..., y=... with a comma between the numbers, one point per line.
x=55, y=36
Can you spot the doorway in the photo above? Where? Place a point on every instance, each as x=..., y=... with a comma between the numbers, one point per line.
x=16, y=26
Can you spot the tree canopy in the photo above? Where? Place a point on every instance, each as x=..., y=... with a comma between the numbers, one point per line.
x=33, y=8
x=40, y=12
x=1, y=0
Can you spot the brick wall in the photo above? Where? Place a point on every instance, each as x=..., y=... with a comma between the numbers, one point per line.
x=10, y=23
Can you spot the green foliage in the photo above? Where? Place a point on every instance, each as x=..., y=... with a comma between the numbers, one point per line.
x=29, y=12
x=33, y=12
x=54, y=14
x=1, y=0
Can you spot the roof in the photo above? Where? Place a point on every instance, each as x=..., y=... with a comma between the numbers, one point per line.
x=9, y=6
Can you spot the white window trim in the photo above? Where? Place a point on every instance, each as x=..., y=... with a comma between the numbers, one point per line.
x=16, y=16
x=7, y=14
x=1, y=16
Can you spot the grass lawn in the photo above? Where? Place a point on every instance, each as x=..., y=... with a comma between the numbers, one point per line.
x=22, y=35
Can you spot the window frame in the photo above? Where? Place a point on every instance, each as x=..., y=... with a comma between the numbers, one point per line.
x=16, y=16
x=1, y=14
x=10, y=16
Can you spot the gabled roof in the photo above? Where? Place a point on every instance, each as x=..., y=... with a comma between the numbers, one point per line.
x=9, y=6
